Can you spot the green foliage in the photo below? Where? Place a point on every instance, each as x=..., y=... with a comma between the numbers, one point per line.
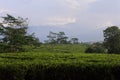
x=32, y=40
x=61, y=48
x=57, y=38
x=13, y=33
x=74, y=40
x=10, y=48
x=60, y=38
x=96, y=48
x=52, y=66
x=112, y=39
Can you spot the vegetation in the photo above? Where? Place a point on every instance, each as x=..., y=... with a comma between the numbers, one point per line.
x=14, y=38
x=96, y=48
x=59, y=66
x=74, y=40
x=112, y=39
x=61, y=48
x=58, y=58
x=60, y=38
x=111, y=42
x=13, y=32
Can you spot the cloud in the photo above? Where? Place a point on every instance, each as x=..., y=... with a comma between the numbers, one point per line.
x=58, y=21
x=72, y=3
x=105, y=25
x=76, y=4
x=6, y=11
x=108, y=23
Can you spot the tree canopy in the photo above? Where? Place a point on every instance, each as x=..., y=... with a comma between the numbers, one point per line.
x=60, y=38
x=112, y=39
x=57, y=38
x=13, y=33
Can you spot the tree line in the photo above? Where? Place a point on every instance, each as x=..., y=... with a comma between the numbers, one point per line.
x=60, y=38
x=13, y=36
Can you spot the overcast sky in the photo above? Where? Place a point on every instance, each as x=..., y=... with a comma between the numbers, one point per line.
x=85, y=19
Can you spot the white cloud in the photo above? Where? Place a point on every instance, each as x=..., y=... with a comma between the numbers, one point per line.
x=76, y=4
x=105, y=25
x=58, y=21
x=6, y=11
x=72, y=3
x=108, y=23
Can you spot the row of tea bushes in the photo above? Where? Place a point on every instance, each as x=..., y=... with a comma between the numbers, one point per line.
x=51, y=66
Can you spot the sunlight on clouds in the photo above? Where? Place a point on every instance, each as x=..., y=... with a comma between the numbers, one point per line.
x=58, y=21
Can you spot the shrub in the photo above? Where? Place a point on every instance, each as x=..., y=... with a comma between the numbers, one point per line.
x=39, y=66
x=96, y=48
x=59, y=72
x=5, y=48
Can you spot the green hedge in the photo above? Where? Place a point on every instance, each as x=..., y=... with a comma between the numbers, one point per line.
x=61, y=72
x=32, y=66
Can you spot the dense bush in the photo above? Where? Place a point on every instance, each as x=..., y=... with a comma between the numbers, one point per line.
x=33, y=66
x=96, y=48
x=59, y=72
x=5, y=48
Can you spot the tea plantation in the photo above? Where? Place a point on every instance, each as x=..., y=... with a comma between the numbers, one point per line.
x=59, y=66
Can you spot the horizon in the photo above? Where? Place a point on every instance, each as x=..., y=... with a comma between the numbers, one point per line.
x=85, y=19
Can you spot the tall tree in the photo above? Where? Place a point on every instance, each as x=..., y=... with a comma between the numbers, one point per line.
x=61, y=38
x=112, y=39
x=52, y=38
x=74, y=40
x=57, y=38
x=13, y=32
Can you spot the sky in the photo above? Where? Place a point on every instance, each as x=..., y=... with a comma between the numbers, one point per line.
x=84, y=19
